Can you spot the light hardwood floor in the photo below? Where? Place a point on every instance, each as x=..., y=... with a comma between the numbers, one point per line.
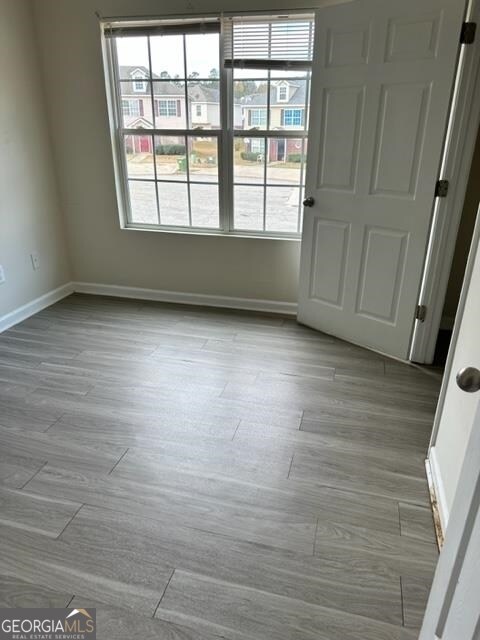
x=201, y=474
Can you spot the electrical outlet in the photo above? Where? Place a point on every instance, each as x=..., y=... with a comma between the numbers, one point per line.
x=35, y=260
x=2, y=275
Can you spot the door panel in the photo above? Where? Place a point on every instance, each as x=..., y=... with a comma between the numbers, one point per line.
x=378, y=290
x=400, y=126
x=339, y=145
x=331, y=246
x=382, y=79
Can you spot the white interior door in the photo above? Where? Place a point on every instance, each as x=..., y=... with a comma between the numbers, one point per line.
x=453, y=609
x=382, y=80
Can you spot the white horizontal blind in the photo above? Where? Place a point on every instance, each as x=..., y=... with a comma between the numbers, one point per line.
x=269, y=42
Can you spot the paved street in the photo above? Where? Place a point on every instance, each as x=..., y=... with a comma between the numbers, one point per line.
x=281, y=205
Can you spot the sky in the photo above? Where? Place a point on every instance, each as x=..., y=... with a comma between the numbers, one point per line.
x=167, y=55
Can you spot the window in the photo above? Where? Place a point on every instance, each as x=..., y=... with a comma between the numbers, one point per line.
x=139, y=84
x=257, y=117
x=170, y=174
x=131, y=107
x=292, y=117
x=257, y=146
x=167, y=108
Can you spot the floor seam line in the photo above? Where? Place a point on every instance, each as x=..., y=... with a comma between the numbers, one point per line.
x=69, y=602
x=402, y=603
x=74, y=515
x=164, y=592
x=236, y=429
x=290, y=466
x=54, y=423
x=118, y=461
x=315, y=536
x=36, y=473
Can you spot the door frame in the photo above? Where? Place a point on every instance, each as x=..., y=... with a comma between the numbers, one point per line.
x=455, y=167
x=466, y=506
x=474, y=249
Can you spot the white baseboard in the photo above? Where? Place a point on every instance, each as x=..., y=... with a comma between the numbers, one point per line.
x=29, y=309
x=437, y=489
x=248, y=304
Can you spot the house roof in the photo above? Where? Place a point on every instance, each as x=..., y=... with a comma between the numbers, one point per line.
x=201, y=93
x=165, y=87
x=297, y=96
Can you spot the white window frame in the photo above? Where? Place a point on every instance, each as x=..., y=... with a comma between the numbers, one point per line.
x=257, y=145
x=137, y=80
x=133, y=107
x=280, y=88
x=260, y=117
x=167, y=104
x=224, y=135
x=293, y=110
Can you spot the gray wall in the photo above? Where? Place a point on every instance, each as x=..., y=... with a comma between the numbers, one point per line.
x=69, y=37
x=30, y=218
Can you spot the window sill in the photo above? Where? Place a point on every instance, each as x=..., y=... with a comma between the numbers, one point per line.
x=292, y=237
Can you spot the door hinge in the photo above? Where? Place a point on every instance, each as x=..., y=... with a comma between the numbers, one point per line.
x=441, y=188
x=421, y=312
x=467, y=33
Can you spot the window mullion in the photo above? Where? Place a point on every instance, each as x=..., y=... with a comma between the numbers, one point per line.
x=119, y=139
x=226, y=151
x=153, y=123
x=187, y=123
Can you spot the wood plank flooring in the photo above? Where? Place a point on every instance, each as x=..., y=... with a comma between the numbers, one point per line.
x=202, y=474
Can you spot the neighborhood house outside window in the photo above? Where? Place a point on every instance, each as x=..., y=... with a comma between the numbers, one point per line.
x=171, y=172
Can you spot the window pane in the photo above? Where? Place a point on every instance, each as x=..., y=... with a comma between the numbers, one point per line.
x=173, y=201
x=204, y=201
x=250, y=103
x=248, y=208
x=259, y=75
x=139, y=155
x=136, y=105
x=249, y=159
x=143, y=202
x=204, y=104
x=282, y=209
x=203, y=159
x=203, y=55
x=169, y=105
x=288, y=103
x=167, y=57
x=132, y=54
x=284, y=164
x=170, y=158
x=275, y=74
